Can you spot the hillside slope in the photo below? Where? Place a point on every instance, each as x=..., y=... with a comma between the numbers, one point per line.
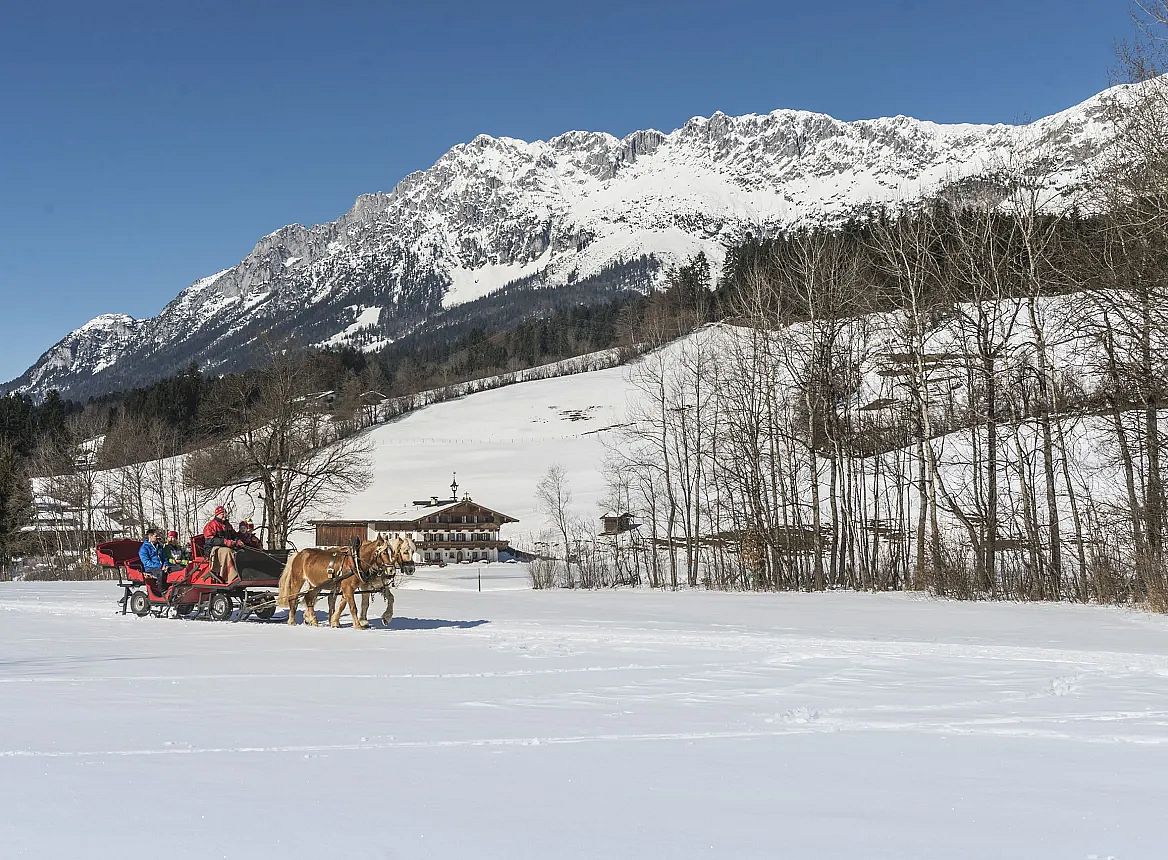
x=500, y=443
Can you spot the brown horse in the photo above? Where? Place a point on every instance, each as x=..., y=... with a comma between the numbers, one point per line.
x=401, y=554
x=309, y=570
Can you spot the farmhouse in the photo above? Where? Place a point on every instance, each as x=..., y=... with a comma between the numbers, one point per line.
x=59, y=524
x=447, y=530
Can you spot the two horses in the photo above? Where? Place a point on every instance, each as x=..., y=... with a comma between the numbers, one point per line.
x=365, y=567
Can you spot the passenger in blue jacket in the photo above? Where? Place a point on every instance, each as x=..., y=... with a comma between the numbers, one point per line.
x=155, y=559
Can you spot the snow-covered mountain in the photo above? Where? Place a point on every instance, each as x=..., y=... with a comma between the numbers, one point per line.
x=495, y=210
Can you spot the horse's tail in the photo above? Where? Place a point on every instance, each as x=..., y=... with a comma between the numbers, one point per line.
x=284, y=597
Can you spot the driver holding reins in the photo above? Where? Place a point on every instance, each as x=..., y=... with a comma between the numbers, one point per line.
x=219, y=541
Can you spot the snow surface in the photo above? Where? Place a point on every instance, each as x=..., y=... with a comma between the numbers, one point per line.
x=466, y=285
x=364, y=318
x=515, y=724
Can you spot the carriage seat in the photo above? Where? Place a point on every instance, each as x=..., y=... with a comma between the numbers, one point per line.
x=174, y=576
x=133, y=569
x=122, y=552
x=198, y=546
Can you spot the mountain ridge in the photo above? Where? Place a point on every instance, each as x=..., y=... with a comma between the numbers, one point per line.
x=494, y=210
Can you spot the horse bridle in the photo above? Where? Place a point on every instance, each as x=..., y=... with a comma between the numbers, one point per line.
x=387, y=562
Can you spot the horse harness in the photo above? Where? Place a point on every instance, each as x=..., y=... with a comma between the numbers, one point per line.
x=367, y=574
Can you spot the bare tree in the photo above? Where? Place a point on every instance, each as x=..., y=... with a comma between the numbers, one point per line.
x=287, y=451
x=555, y=499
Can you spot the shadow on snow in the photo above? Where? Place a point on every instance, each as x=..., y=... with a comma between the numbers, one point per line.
x=399, y=622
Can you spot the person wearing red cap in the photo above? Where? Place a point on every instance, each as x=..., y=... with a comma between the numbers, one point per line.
x=219, y=539
x=175, y=552
x=248, y=535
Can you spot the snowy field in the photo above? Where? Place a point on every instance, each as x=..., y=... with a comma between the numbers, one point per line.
x=515, y=724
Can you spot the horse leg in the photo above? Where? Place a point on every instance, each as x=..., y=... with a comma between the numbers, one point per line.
x=310, y=607
x=339, y=610
x=387, y=616
x=365, y=601
x=351, y=602
x=293, y=598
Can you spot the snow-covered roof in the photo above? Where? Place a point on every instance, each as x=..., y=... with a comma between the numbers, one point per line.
x=415, y=512
x=54, y=520
x=418, y=512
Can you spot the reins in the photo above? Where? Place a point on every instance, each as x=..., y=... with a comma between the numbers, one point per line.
x=374, y=569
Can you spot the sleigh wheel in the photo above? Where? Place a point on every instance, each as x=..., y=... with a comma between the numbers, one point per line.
x=220, y=606
x=140, y=604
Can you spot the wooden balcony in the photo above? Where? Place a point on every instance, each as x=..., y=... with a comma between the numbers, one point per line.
x=461, y=544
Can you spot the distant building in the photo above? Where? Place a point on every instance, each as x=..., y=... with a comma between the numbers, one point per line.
x=58, y=523
x=371, y=404
x=447, y=530
x=615, y=524
x=372, y=398
x=318, y=401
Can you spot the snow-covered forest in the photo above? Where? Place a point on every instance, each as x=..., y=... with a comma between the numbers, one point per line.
x=965, y=399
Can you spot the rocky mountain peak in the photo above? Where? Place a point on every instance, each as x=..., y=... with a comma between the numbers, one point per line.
x=495, y=210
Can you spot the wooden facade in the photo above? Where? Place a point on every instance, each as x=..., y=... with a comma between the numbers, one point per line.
x=340, y=533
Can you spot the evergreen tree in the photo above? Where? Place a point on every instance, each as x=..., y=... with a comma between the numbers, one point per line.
x=16, y=504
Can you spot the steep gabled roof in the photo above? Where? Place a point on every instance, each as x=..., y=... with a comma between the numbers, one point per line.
x=419, y=512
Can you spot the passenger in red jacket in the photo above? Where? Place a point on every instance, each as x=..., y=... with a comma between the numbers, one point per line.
x=219, y=541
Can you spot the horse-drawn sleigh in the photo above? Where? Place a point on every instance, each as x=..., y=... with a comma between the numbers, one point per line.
x=267, y=579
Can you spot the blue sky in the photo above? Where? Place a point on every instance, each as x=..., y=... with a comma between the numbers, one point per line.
x=147, y=144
